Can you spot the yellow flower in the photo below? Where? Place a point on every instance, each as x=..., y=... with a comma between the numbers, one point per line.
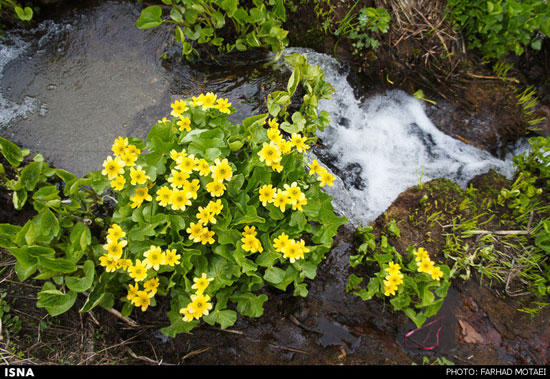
x=138, y=271
x=114, y=248
x=274, y=135
x=200, y=305
x=195, y=101
x=164, y=194
x=223, y=106
x=293, y=192
x=124, y=264
x=178, y=107
x=187, y=164
x=202, y=167
x=208, y=101
x=177, y=157
x=326, y=178
x=421, y=254
x=164, y=121
x=270, y=153
x=315, y=167
x=216, y=189
x=179, y=200
x=215, y=207
x=205, y=216
x=187, y=313
x=301, y=201
x=151, y=286
x=195, y=231
x=133, y=149
x=293, y=251
x=284, y=146
x=132, y=292
x=128, y=158
x=119, y=146
x=299, y=142
x=249, y=230
x=191, y=188
x=138, y=176
x=115, y=232
x=267, y=193
x=184, y=124
x=154, y=257
x=109, y=262
x=171, y=257
x=281, y=200
x=281, y=242
x=113, y=167
x=177, y=178
x=389, y=288
x=140, y=195
x=251, y=243
x=277, y=166
x=395, y=279
x=426, y=266
x=436, y=273
x=142, y=300
x=206, y=236
x=302, y=244
x=393, y=268
x=273, y=124
x=222, y=170
x=200, y=284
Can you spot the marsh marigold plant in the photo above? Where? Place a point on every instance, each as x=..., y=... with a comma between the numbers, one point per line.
x=209, y=212
x=414, y=283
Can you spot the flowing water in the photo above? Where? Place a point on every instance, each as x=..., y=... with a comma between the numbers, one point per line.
x=70, y=87
x=385, y=144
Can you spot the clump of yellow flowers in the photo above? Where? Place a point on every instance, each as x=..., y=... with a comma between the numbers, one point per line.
x=200, y=302
x=394, y=277
x=188, y=204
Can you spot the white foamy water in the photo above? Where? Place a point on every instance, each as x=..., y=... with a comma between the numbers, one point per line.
x=386, y=144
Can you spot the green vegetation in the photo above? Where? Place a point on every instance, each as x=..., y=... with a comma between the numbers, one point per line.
x=362, y=27
x=223, y=24
x=22, y=13
x=503, y=26
x=414, y=284
x=55, y=243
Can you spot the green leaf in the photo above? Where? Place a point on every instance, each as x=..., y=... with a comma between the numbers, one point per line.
x=62, y=265
x=81, y=284
x=249, y=304
x=49, y=224
x=46, y=193
x=31, y=174
x=24, y=14
x=225, y=318
x=55, y=301
x=19, y=198
x=218, y=20
x=11, y=152
x=150, y=17
x=274, y=275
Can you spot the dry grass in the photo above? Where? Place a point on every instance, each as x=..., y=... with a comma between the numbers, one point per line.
x=421, y=33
